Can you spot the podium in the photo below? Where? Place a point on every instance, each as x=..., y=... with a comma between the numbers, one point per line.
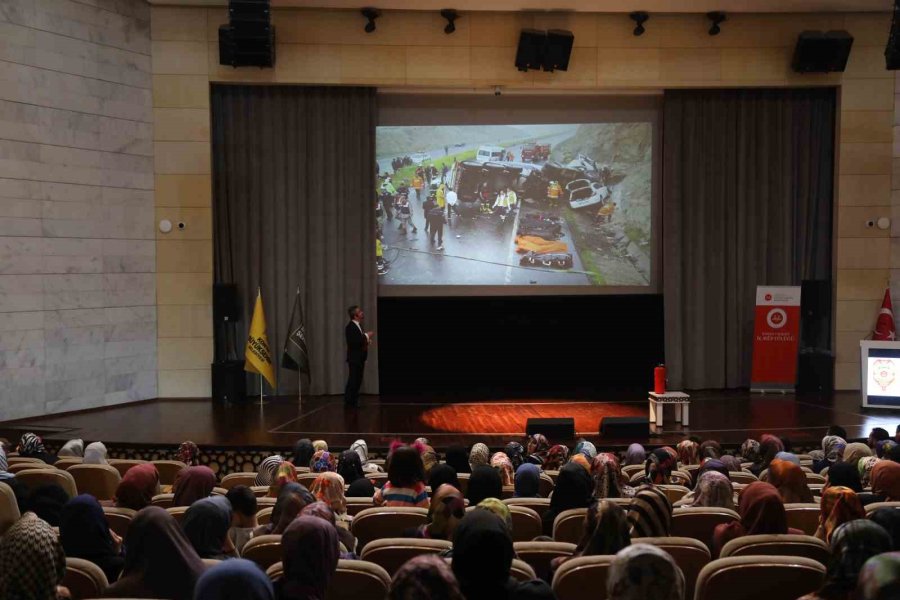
x=880, y=373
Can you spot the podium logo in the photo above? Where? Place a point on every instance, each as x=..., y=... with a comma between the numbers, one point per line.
x=776, y=318
x=768, y=297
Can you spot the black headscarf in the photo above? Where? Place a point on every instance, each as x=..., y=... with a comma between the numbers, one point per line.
x=889, y=518
x=206, y=525
x=84, y=533
x=482, y=555
x=574, y=489
x=845, y=474
x=310, y=555
x=516, y=453
x=350, y=466
x=458, y=458
x=361, y=488
x=484, y=483
x=47, y=501
x=852, y=544
x=441, y=474
x=303, y=452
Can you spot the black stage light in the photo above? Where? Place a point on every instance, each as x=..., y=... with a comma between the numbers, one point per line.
x=371, y=14
x=640, y=17
x=451, y=15
x=717, y=19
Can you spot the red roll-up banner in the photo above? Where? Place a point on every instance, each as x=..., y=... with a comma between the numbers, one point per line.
x=776, y=338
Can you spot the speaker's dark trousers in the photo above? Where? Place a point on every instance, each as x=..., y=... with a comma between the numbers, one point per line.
x=354, y=380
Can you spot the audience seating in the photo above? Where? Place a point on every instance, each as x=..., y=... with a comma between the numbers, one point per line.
x=508, y=491
x=552, y=474
x=18, y=467
x=264, y=516
x=358, y=580
x=768, y=577
x=392, y=553
x=263, y=502
x=235, y=479
x=218, y=491
x=163, y=500
x=177, y=512
x=779, y=545
x=210, y=562
x=538, y=505
x=674, y=492
x=84, y=579
x=33, y=478
x=521, y=570
x=742, y=477
x=630, y=470
x=67, y=461
x=870, y=508
x=123, y=464
x=100, y=481
x=545, y=486
x=15, y=459
x=581, y=575
x=356, y=504
x=383, y=522
x=378, y=479
x=690, y=555
x=260, y=491
x=275, y=572
x=698, y=522
x=803, y=516
x=568, y=526
x=539, y=554
x=119, y=519
x=264, y=550
x=307, y=479
x=463, y=482
x=9, y=509
x=168, y=470
x=681, y=478
x=814, y=478
x=526, y=523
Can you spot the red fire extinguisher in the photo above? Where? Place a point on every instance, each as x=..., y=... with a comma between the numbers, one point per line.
x=659, y=379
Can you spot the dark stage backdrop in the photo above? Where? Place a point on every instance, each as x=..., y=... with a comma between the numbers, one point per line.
x=747, y=200
x=567, y=345
x=293, y=181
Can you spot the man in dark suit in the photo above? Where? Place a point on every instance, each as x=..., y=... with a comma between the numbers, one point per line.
x=358, y=342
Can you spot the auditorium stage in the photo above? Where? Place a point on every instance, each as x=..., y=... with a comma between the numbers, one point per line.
x=728, y=416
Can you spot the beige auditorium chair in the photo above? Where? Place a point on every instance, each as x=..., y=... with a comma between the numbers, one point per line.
x=265, y=502
x=508, y=491
x=526, y=523
x=357, y=504
x=168, y=470
x=9, y=509
x=33, y=478
x=29, y=465
x=803, y=516
x=307, y=479
x=463, y=479
x=870, y=508
x=236, y=479
x=690, y=555
x=163, y=500
x=264, y=550
x=84, y=579
x=177, y=512
x=123, y=464
x=67, y=461
x=682, y=478
x=538, y=555
x=12, y=459
x=568, y=526
x=264, y=516
x=699, y=522
x=585, y=574
x=100, y=481
x=218, y=491
x=674, y=492
x=260, y=491
x=385, y=521
x=754, y=577
x=521, y=571
x=210, y=562
x=778, y=545
x=378, y=479
x=275, y=572
x=545, y=486
x=358, y=580
x=554, y=475
x=745, y=477
x=538, y=505
x=119, y=519
x=630, y=470
x=814, y=478
x=392, y=553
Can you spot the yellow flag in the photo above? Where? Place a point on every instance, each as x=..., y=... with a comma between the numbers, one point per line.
x=257, y=356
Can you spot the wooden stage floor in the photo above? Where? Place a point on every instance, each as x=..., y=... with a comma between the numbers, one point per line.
x=728, y=416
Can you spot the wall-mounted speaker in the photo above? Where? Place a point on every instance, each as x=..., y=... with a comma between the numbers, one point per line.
x=249, y=38
x=558, y=50
x=547, y=50
x=226, y=307
x=892, y=51
x=229, y=381
x=530, y=53
x=818, y=52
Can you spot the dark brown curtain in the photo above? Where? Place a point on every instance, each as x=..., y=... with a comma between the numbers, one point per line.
x=747, y=200
x=293, y=185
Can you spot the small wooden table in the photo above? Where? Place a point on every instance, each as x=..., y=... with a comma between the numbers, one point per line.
x=681, y=402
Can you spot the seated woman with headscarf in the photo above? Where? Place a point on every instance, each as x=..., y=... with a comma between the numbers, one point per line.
x=236, y=578
x=159, y=562
x=479, y=455
x=606, y=531
x=95, y=454
x=688, y=452
x=750, y=451
x=321, y=510
x=635, y=455
x=288, y=505
x=267, y=470
x=574, y=489
x=527, y=481
x=425, y=576
x=286, y=473
x=206, y=523
x=536, y=449
x=188, y=453
x=839, y=505
x=192, y=484
x=47, y=501
x=712, y=490
x=586, y=448
x=85, y=534
x=790, y=481
x=658, y=467
x=762, y=512
x=323, y=461
x=880, y=577
x=484, y=483
x=349, y=466
x=886, y=480
x=458, y=458
x=303, y=452
x=329, y=488
x=72, y=449
x=516, y=453
x=504, y=467
x=644, y=572
x=769, y=446
x=649, y=513
x=441, y=474
x=309, y=555
x=446, y=511
x=608, y=479
x=138, y=486
x=32, y=446
x=832, y=450
x=32, y=561
x=710, y=449
x=556, y=457
x=844, y=474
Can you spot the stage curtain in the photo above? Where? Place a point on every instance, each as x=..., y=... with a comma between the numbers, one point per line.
x=293, y=191
x=747, y=200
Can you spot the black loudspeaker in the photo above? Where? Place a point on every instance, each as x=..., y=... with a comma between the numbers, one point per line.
x=530, y=53
x=558, y=50
x=818, y=52
x=892, y=52
x=555, y=429
x=815, y=315
x=229, y=381
x=226, y=307
x=630, y=427
x=815, y=372
x=249, y=38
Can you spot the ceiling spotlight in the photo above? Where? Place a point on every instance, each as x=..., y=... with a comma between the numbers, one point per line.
x=371, y=14
x=717, y=19
x=451, y=15
x=640, y=17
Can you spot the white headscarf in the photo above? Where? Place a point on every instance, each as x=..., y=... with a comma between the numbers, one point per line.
x=72, y=448
x=95, y=454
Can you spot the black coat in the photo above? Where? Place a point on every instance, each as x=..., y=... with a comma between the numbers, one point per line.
x=357, y=344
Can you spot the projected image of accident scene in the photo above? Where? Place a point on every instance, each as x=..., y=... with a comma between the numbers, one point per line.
x=519, y=205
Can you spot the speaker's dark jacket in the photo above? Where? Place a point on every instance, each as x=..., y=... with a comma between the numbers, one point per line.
x=357, y=344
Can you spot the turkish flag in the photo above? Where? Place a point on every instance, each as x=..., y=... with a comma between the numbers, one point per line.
x=884, y=326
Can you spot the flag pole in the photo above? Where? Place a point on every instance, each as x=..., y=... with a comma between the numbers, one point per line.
x=260, y=389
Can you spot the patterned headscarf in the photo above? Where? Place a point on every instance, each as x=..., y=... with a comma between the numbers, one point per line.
x=650, y=513
x=329, y=488
x=865, y=466
x=4, y=463
x=732, y=463
x=425, y=576
x=839, y=505
x=188, y=453
x=880, y=577
x=688, y=452
x=320, y=445
x=644, y=572
x=790, y=480
x=446, y=510
x=72, y=448
x=323, y=461
x=658, y=467
x=852, y=544
x=886, y=480
x=883, y=447
x=587, y=448
x=833, y=447
x=788, y=457
x=714, y=489
x=501, y=462
x=556, y=457
x=429, y=457
x=581, y=459
x=31, y=445
x=516, y=454
x=536, y=448
x=605, y=474
x=32, y=561
x=267, y=469
x=496, y=506
x=479, y=455
x=635, y=455
x=95, y=454
x=286, y=473
x=855, y=451
x=710, y=449
x=750, y=450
